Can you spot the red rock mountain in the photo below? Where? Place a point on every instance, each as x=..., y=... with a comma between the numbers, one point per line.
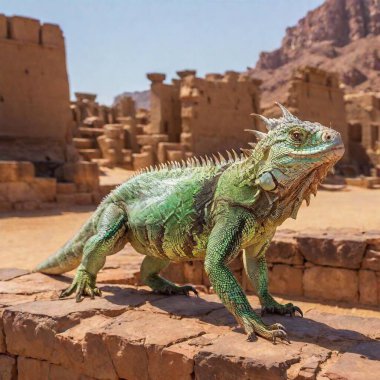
x=340, y=35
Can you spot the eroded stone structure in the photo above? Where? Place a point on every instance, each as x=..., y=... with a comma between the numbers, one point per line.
x=190, y=116
x=35, y=120
x=132, y=333
x=215, y=111
x=363, y=114
x=316, y=95
x=38, y=162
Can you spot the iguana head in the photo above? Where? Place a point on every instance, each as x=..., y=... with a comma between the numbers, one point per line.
x=294, y=153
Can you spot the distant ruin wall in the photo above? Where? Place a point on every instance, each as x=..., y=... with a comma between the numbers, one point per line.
x=334, y=266
x=216, y=110
x=34, y=90
x=316, y=95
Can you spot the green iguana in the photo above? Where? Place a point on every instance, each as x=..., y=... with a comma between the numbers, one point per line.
x=208, y=210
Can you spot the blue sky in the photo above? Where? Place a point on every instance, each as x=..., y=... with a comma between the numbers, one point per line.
x=112, y=44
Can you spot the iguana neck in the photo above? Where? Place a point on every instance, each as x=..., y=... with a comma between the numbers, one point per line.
x=285, y=201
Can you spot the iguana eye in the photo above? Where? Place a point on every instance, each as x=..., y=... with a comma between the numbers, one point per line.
x=296, y=136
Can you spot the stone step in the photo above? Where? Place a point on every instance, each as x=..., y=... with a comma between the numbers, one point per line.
x=83, y=143
x=132, y=333
x=90, y=154
x=90, y=132
x=66, y=188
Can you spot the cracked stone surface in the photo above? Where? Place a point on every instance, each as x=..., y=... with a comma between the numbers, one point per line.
x=131, y=333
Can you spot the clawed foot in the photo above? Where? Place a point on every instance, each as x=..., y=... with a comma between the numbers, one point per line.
x=289, y=308
x=254, y=326
x=84, y=285
x=174, y=289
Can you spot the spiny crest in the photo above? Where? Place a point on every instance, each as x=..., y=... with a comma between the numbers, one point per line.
x=272, y=123
x=193, y=162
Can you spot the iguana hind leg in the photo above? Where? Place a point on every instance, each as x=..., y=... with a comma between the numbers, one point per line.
x=110, y=238
x=256, y=268
x=150, y=268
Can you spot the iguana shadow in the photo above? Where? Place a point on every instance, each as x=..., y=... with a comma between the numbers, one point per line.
x=307, y=330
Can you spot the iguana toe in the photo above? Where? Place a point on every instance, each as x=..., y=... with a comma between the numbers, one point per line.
x=170, y=289
x=289, y=308
x=280, y=334
x=277, y=326
x=84, y=285
x=189, y=288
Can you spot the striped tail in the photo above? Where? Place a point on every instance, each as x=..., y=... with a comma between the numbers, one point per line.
x=69, y=256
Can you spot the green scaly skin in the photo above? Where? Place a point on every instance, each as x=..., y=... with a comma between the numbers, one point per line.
x=208, y=210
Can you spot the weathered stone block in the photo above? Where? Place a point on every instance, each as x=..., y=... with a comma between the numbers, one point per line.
x=67, y=199
x=5, y=205
x=66, y=188
x=331, y=284
x=285, y=279
x=284, y=250
x=32, y=369
x=83, y=198
x=89, y=154
x=45, y=188
x=84, y=174
x=3, y=26
x=8, y=369
x=135, y=343
x=192, y=271
x=51, y=35
x=16, y=192
x=174, y=272
x=336, y=251
x=371, y=259
x=164, y=149
x=12, y=171
x=257, y=361
x=83, y=143
x=141, y=160
x=175, y=155
x=26, y=206
x=151, y=139
x=172, y=363
x=25, y=29
x=114, y=131
x=368, y=287
x=361, y=364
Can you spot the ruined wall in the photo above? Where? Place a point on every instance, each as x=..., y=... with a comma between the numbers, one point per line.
x=216, y=110
x=165, y=107
x=34, y=91
x=315, y=95
x=363, y=114
x=333, y=266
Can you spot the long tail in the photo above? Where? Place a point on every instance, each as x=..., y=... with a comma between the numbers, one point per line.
x=69, y=256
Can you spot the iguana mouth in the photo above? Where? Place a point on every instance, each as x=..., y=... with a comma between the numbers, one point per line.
x=338, y=148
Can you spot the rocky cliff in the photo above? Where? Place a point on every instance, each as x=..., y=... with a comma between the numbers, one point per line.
x=340, y=35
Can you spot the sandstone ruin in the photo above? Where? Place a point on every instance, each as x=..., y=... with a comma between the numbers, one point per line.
x=39, y=164
x=190, y=116
x=316, y=95
x=363, y=113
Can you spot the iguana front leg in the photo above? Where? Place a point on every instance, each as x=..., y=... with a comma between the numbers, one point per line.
x=150, y=268
x=223, y=245
x=256, y=268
